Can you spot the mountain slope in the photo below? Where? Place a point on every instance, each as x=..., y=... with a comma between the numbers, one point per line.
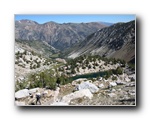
x=116, y=41
x=60, y=36
x=38, y=47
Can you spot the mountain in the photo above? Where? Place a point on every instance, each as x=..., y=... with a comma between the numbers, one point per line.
x=39, y=47
x=106, y=23
x=60, y=36
x=117, y=41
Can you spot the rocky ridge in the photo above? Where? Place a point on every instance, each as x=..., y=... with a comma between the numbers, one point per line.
x=116, y=41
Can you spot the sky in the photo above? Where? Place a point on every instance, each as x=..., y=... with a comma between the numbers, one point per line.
x=77, y=18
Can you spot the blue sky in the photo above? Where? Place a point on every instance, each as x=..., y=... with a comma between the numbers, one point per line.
x=77, y=18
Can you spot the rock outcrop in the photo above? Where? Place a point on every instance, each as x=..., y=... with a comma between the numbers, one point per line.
x=77, y=94
x=87, y=85
x=22, y=93
x=82, y=92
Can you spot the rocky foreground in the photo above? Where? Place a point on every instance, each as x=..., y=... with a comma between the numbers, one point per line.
x=82, y=92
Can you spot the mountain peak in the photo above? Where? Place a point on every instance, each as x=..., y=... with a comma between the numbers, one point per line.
x=50, y=22
x=26, y=22
x=60, y=36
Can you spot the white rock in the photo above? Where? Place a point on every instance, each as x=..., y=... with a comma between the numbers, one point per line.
x=87, y=85
x=127, y=79
x=61, y=60
x=77, y=94
x=22, y=93
x=33, y=90
x=101, y=85
x=113, y=90
x=100, y=78
x=132, y=94
x=119, y=82
x=112, y=84
x=119, y=89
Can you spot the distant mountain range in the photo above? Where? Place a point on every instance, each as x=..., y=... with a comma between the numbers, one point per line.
x=116, y=41
x=106, y=23
x=76, y=39
x=60, y=36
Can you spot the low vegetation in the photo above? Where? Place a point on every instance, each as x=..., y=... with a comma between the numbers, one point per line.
x=46, y=79
x=62, y=74
x=74, y=66
x=31, y=60
x=42, y=48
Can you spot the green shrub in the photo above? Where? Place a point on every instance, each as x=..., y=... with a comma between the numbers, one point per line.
x=96, y=64
x=34, y=66
x=114, y=78
x=38, y=65
x=86, y=62
x=16, y=62
x=20, y=85
x=89, y=66
x=27, y=61
x=105, y=63
x=73, y=71
x=25, y=52
x=131, y=66
x=83, y=67
x=106, y=77
x=78, y=69
x=119, y=70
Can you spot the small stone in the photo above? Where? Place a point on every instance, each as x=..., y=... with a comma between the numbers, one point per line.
x=101, y=85
x=119, y=89
x=100, y=79
x=113, y=90
x=127, y=79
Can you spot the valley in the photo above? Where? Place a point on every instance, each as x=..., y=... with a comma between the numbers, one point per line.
x=88, y=66
x=60, y=36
